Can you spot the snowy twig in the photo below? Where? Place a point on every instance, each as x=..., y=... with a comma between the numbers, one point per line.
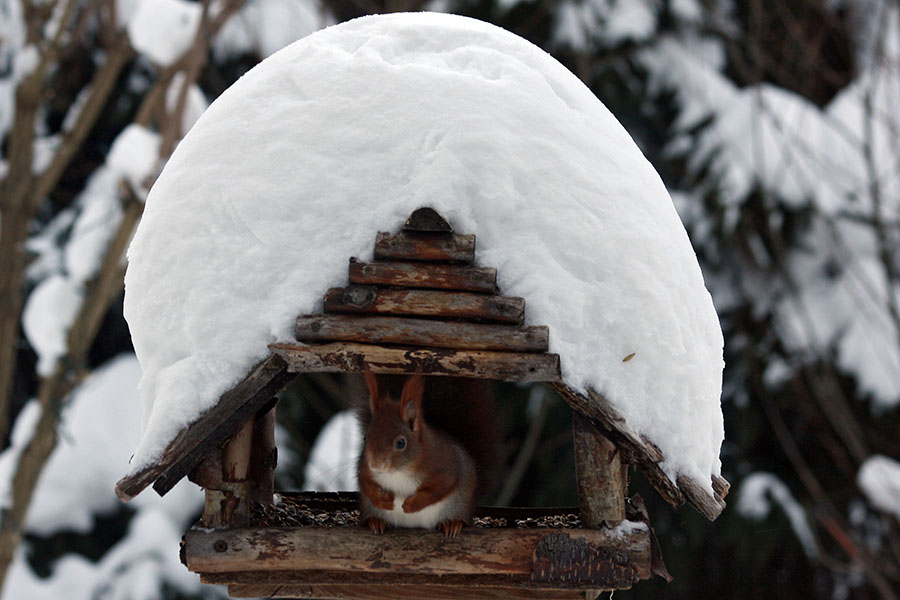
x=101, y=87
x=826, y=513
x=101, y=292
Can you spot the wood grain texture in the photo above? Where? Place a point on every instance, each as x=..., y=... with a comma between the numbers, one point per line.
x=349, y=357
x=599, y=474
x=392, y=591
x=353, y=550
x=263, y=459
x=211, y=430
x=639, y=451
x=451, y=248
x=425, y=275
x=422, y=332
x=424, y=303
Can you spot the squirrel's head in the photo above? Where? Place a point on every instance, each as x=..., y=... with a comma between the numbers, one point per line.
x=394, y=438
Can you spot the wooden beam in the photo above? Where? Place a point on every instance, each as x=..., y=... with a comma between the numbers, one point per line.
x=640, y=451
x=452, y=248
x=211, y=430
x=396, y=591
x=425, y=275
x=236, y=456
x=422, y=332
x=263, y=459
x=424, y=303
x=509, y=554
x=706, y=502
x=348, y=357
x=599, y=473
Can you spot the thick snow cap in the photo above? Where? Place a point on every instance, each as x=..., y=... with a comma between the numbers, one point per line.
x=344, y=133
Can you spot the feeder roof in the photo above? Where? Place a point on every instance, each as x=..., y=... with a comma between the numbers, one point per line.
x=343, y=134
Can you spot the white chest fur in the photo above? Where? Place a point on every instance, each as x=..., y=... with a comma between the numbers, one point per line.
x=403, y=485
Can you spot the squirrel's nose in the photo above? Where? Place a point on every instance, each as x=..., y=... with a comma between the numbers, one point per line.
x=375, y=464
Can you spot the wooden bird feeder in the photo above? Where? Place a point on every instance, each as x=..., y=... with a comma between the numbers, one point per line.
x=421, y=305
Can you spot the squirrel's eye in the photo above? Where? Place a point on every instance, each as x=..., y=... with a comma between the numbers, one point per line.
x=400, y=444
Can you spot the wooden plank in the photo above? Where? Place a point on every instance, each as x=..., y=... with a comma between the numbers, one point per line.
x=452, y=248
x=701, y=497
x=211, y=430
x=348, y=357
x=354, y=550
x=640, y=451
x=425, y=303
x=391, y=591
x=336, y=577
x=425, y=275
x=422, y=332
x=263, y=459
x=426, y=219
x=599, y=473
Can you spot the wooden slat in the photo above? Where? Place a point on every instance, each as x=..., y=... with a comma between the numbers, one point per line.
x=453, y=248
x=474, y=552
x=211, y=430
x=348, y=357
x=391, y=591
x=425, y=275
x=599, y=474
x=640, y=451
x=425, y=303
x=422, y=332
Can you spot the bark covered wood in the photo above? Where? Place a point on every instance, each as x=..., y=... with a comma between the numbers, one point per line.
x=348, y=551
x=453, y=248
x=348, y=357
x=397, y=591
x=422, y=332
x=424, y=275
x=639, y=451
x=218, y=424
x=424, y=303
x=599, y=473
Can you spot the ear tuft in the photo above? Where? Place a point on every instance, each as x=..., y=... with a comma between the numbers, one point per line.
x=411, y=401
x=372, y=384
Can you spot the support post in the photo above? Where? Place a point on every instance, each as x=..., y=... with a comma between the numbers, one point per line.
x=263, y=459
x=600, y=473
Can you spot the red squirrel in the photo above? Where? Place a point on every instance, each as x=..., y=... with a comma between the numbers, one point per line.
x=426, y=456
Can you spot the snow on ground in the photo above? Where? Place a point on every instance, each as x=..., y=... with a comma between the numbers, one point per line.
x=342, y=134
x=98, y=428
x=879, y=479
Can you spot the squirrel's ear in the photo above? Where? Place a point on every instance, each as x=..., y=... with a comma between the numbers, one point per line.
x=411, y=401
x=372, y=384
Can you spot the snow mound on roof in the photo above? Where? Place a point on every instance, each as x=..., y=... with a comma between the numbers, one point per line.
x=344, y=133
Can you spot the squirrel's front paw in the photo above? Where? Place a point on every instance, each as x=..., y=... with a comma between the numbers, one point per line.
x=384, y=500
